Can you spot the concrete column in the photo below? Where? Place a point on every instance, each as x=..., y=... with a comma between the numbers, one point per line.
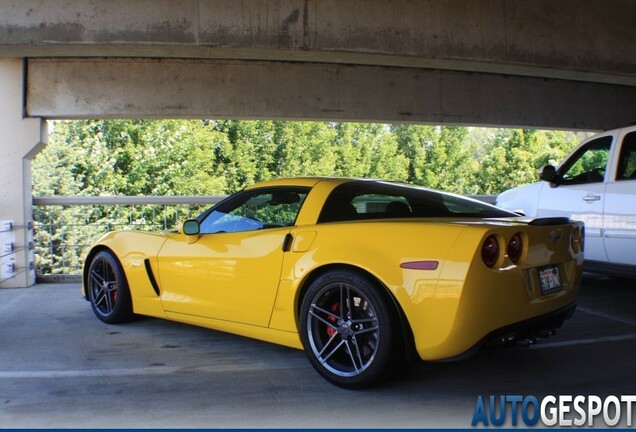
x=20, y=140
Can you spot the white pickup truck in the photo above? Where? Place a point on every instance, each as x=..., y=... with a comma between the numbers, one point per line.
x=596, y=184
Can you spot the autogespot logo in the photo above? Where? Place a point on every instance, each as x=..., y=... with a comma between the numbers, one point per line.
x=562, y=410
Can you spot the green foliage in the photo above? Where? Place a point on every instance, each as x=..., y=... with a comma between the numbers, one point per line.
x=194, y=157
x=122, y=157
x=513, y=157
x=439, y=157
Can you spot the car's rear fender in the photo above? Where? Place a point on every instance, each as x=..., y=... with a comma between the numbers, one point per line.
x=465, y=311
x=379, y=250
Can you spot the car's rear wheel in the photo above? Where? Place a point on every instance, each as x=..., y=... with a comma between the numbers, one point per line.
x=108, y=290
x=349, y=330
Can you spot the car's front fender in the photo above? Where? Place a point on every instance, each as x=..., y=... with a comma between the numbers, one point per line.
x=136, y=252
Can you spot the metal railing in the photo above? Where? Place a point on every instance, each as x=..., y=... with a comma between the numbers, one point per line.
x=65, y=227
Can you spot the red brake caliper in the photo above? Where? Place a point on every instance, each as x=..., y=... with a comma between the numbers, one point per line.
x=332, y=319
x=114, y=296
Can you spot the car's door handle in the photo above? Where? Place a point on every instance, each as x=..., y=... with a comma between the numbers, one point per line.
x=287, y=242
x=591, y=198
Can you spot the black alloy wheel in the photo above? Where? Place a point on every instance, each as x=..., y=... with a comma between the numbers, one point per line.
x=108, y=290
x=348, y=329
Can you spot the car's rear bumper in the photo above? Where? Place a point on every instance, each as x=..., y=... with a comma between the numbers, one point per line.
x=528, y=331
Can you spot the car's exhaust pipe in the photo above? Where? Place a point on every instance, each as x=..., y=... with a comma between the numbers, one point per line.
x=526, y=340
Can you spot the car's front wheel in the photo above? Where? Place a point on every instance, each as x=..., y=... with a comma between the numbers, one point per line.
x=108, y=289
x=349, y=330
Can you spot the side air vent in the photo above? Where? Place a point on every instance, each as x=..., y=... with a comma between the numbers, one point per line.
x=151, y=277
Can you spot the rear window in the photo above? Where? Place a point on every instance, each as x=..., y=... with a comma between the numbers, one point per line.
x=364, y=200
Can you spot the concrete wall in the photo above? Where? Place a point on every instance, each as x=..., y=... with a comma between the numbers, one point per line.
x=75, y=88
x=20, y=140
x=544, y=63
x=590, y=40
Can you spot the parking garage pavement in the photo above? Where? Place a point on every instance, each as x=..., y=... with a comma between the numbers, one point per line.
x=61, y=367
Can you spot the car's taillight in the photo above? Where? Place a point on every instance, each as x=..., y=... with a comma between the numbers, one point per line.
x=490, y=251
x=575, y=239
x=582, y=239
x=578, y=240
x=515, y=248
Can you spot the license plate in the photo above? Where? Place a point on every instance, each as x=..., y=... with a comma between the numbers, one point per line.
x=550, y=279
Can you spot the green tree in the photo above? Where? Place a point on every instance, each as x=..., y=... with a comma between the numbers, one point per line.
x=369, y=150
x=438, y=157
x=514, y=156
x=303, y=149
x=52, y=172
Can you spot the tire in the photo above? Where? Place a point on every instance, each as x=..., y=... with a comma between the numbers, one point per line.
x=108, y=290
x=349, y=330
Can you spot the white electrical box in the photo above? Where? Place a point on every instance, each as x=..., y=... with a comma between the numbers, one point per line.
x=7, y=267
x=7, y=249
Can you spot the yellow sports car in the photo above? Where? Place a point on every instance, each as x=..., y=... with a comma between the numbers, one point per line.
x=362, y=274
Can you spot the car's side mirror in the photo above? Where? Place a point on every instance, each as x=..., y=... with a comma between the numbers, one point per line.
x=192, y=229
x=548, y=173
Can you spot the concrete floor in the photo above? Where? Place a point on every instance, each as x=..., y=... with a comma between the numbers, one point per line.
x=61, y=367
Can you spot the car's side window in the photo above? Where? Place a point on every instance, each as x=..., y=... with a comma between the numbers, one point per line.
x=254, y=210
x=359, y=206
x=383, y=205
x=360, y=200
x=589, y=164
x=627, y=158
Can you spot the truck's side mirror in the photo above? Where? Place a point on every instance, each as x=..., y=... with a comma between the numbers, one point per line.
x=548, y=173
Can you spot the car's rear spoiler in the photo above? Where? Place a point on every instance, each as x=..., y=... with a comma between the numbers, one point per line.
x=549, y=221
